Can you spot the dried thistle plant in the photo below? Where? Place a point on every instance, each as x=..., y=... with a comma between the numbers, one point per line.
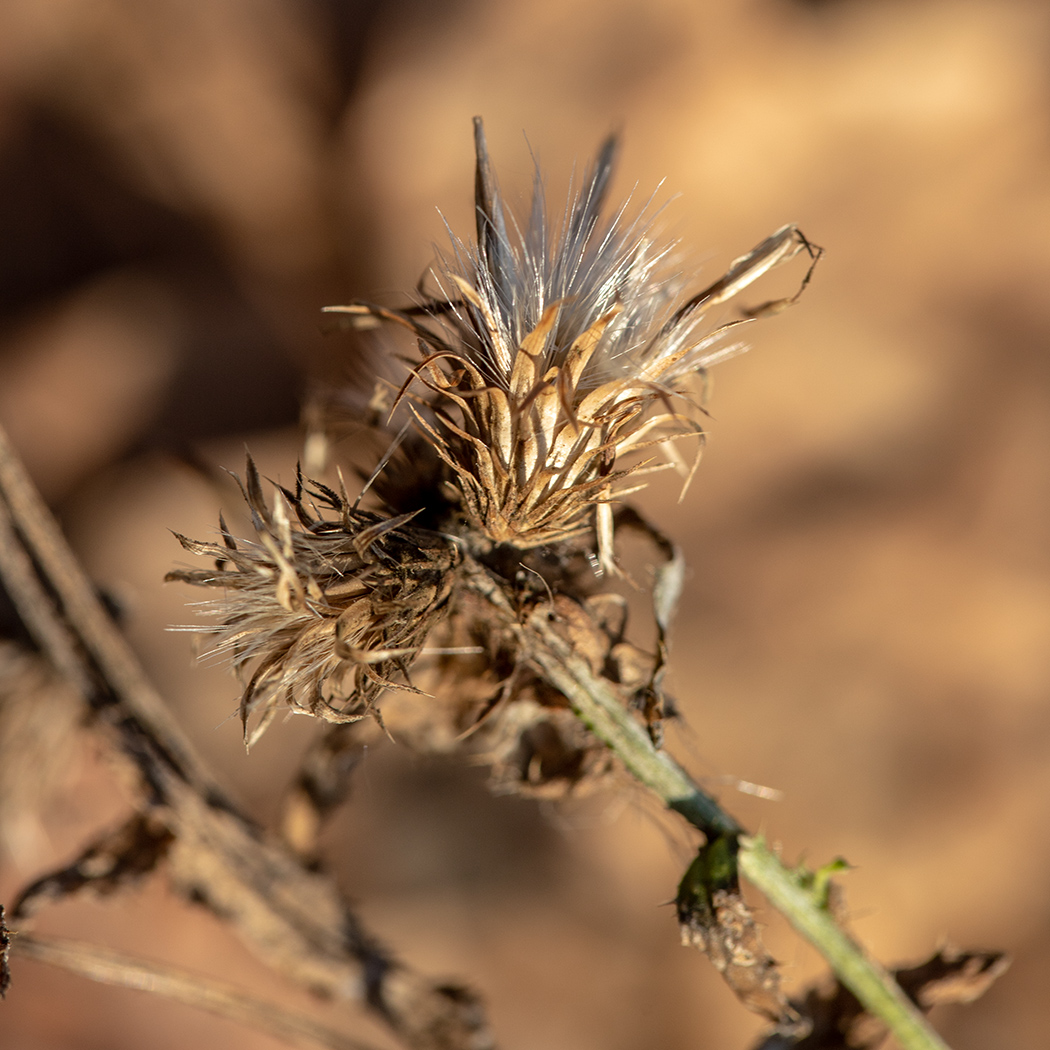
x=325, y=613
x=553, y=352
x=555, y=361
x=550, y=363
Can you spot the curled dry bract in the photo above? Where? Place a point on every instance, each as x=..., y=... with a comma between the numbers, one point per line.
x=555, y=358
x=323, y=613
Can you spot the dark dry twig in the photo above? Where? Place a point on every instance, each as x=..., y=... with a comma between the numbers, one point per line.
x=294, y=917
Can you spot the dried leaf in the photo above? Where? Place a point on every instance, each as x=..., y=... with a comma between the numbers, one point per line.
x=952, y=976
x=715, y=918
x=839, y=1022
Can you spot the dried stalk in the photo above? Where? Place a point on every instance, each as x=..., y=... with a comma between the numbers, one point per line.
x=294, y=917
x=114, y=968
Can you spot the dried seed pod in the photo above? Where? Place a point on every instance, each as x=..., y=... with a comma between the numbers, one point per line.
x=324, y=613
x=500, y=708
x=554, y=352
x=542, y=752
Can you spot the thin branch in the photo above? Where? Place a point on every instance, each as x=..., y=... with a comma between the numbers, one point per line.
x=36, y=607
x=294, y=917
x=114, y=968
x=598, y=706
x=85, y=616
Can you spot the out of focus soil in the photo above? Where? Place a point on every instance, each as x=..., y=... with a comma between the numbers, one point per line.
x=866, y=626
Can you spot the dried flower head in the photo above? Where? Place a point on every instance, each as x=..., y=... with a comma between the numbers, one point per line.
x=553, y=355
x=324, y=613
x=555, y=351
x=506, y=712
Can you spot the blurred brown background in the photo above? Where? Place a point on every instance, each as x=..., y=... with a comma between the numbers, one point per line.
x=184, y=183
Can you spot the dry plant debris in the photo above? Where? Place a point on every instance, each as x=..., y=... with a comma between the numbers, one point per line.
x=714, y=917
x=837, y=1021
x=554, y=364
x=324, y=609
x=552, y=367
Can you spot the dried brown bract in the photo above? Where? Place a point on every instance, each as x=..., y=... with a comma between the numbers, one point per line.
x=555, y=351
x=553, y=361
x=324, y=612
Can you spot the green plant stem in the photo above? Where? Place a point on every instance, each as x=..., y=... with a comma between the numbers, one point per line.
x=597, y=704
x=869, y=982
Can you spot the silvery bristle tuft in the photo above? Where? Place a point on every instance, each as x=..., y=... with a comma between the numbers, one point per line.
x=556, y=351
x=554, y=362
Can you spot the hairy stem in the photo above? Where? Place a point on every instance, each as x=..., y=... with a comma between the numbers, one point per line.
x=869, y=982
x=596, y=703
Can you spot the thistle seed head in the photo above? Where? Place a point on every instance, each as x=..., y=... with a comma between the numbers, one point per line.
x=552, y=360
x=322, y=613
x=555, y=351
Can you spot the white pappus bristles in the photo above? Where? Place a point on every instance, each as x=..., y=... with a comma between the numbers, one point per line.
x=321, y=615
x=554, y=352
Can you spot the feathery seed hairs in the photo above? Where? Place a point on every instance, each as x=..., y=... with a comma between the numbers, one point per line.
x=555, y=367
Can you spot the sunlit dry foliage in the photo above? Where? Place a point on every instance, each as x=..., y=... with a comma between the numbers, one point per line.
x=556, y=360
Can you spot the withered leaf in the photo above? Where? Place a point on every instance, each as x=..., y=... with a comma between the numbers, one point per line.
x=952, y=976
x=715, y=918
x=839, y=1022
